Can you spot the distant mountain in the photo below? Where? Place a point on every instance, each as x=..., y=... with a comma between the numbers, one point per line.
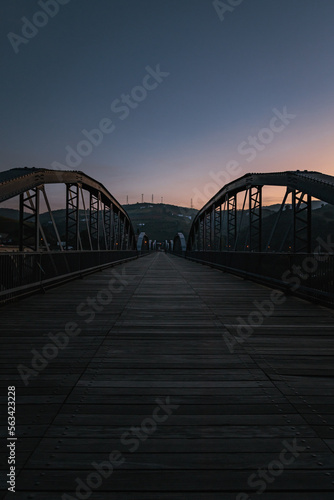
x=160, y=221
x=10, y=213
x=315, y=205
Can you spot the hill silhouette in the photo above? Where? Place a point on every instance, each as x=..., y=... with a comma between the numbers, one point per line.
x=163, y=221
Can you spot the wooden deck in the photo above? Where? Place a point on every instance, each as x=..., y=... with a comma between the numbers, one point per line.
x=152, y=376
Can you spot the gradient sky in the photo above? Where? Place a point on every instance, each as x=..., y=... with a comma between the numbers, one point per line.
x=225, y=78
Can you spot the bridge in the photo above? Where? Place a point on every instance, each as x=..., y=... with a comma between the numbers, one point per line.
x=200, y=373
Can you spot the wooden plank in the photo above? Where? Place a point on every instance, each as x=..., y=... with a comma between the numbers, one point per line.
x=163, y=336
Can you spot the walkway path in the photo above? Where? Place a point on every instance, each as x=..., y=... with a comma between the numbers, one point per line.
x=155, y=373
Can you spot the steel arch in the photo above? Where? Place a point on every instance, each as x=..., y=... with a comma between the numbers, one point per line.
x=107, y=220
x=206, y=230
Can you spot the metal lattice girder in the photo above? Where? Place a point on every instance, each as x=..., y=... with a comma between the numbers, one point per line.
x=223, y=230
x=231, y=221
x=200, y=234
x=278, y=217
x=195, y=242
x=240, y=223
x=129, y=241
x=217, y=228
x=94, y=220
x=203, y=233
x=122, y=232
x=48, y=206
x=128, y=237
x=192, y=240
x=255, y=218
x=103, y=210
x=108, y=226
x=112, y=228
x=72, y=216
x=86, y=217
x=125, y=233
x=302, y=216
x=207, y=231
x=29, y=220
x=117, y=223
x=212, y=228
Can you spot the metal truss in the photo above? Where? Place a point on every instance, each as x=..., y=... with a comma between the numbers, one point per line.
x=72, y=217
x=94, y=220
x=231, y=222
x=302, y=215
x=122, y=232
x=86, y=218
x=117, y=226
x=207, y=231
x=29, y=227
x=129, y=237
x=278, y=218
x=217, y=228
x=46, y=200
x=200, y=234
x=255, y=218
x=108, y=224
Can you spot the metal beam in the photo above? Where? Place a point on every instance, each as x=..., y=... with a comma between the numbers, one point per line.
x=255, y=219
x=231, y=221
x=302, y=215
x=94, y=220
x=48, y=206
x=29, y=226
x=72, y=216
x=217, y=221
x=241, y=220
x=86, y=218
x=278, y=217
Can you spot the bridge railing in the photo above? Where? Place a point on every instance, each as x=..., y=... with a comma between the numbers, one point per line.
x=310, y=276
x=22, y=273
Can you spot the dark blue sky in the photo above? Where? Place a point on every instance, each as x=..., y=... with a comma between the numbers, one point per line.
x=225, y=78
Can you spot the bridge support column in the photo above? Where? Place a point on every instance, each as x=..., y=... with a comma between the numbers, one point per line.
x=231, y=222
x=94, y=220
x=118, y=237
x=207, y=231
x=29, y=226
x=107, y=225
x=129, y=242
x=278, y=217
x=302, y=217
x=201, y=234
x=72, y=216
x=194, y=240
x=217, y=223
x=255, y=219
